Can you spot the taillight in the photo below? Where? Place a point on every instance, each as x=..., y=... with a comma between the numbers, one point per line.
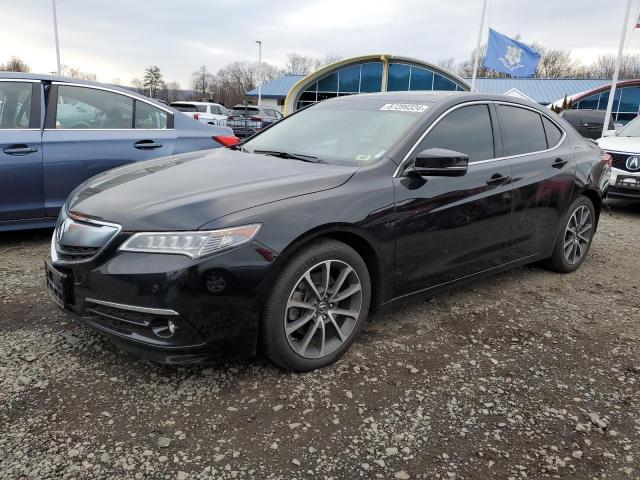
x=606, y=158
x=257, y=119
x=196, y=116
x=230, y=117
x=226, y=140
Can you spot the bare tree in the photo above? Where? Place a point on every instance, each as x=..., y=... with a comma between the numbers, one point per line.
x=73, y=72
x=328, y=59
x=555, y=62
x=201, y=81
x=299, y=64
x=604, y=66
x=448, y=64
x=15, y=65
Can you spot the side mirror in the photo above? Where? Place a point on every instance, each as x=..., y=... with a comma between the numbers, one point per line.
x=438, y=162
x=610, y=133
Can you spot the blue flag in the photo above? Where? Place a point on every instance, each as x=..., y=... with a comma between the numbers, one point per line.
x=508, y=56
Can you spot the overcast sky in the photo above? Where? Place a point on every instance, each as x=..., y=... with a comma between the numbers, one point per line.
x=117, y=39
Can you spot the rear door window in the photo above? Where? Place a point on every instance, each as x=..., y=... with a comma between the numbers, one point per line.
x=466, y=130
x=150, y=117
x=15, y=104
x=522, y=130
x=90, y=108
x=554, y=134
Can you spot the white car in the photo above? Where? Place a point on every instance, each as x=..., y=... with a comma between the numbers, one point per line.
x=624, y=148
x=205, y=112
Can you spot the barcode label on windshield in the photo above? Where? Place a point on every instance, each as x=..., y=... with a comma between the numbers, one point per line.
x=405, y=107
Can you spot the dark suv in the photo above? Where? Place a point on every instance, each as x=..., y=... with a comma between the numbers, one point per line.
x=245, y=120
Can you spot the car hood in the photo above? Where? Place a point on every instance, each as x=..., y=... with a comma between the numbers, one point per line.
x=184, y=192
x=620, y=144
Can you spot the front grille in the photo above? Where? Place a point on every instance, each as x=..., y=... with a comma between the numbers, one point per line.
x=80, y=239
x=71, y=252
x=620, y=160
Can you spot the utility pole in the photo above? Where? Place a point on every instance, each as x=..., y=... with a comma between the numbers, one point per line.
x=55, y=31
x=259, y=71
x=616, y=72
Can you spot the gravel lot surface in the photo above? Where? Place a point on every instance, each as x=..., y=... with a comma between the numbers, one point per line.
x=529, y=374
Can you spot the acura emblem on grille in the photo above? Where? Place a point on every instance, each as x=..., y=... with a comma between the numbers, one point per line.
x=633, y=164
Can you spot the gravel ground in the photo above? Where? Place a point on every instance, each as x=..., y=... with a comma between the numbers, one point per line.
x=529, y=374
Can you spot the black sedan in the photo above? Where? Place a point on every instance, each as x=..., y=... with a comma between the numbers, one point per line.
x=286, y=243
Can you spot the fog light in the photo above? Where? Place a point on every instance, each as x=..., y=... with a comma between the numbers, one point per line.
x=165, y=330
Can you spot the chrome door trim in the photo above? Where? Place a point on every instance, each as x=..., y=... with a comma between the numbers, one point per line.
x=402, y=165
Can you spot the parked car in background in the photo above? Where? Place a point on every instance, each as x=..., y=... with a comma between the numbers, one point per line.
x=246, y=120
x=284, y=244
x=624, y=147
x=587, y=123
x=209, y=113
x=56, y=132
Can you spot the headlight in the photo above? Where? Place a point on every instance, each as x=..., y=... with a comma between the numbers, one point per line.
x=193, y=244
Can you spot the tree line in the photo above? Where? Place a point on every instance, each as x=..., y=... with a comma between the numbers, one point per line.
x=229, y=84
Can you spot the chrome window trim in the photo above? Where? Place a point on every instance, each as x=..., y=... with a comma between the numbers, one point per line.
x=133, y=308
x=401, y=166
x=80, y=218
x=107, y=129
x=19, y=80
x=107, y=89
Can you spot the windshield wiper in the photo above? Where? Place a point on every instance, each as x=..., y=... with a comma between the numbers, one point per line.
x=238, y=146
x=294, y=156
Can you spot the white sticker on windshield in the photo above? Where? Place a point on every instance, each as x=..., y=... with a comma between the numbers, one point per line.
x=405, y=107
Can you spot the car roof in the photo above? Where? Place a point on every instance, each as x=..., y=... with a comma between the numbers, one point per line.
x=76, y=81
x=439, y=97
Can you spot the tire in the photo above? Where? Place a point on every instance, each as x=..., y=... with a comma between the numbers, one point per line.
x=305, y=328
x=567, y=257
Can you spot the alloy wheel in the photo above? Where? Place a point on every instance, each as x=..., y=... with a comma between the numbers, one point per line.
x=323, y=309
x=577, y=235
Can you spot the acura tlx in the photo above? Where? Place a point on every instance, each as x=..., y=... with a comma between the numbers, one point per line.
x=285, y=243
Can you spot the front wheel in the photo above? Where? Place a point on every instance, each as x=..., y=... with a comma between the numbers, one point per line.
x=317, y=306
x=575, y=235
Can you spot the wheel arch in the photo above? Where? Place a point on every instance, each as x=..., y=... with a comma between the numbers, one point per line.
x=595, y=197
x=347, y=234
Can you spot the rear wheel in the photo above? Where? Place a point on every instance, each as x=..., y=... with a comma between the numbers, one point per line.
x=316, y=307
x=574, y=238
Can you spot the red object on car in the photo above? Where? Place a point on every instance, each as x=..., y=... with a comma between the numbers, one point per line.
x=196, y=116
x=608, y=159
x=226, y=140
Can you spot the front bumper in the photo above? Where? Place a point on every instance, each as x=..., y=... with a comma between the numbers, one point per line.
x=623, y=189
x=213, y=303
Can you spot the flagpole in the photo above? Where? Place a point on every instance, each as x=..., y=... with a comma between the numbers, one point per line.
x=477, y=59
x=616, y=72
x=55, y=31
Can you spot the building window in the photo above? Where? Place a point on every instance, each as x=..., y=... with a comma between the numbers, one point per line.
x=626, y=103
x=367, y=77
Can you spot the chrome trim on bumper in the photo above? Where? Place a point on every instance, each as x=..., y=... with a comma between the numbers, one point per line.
x=133, y=308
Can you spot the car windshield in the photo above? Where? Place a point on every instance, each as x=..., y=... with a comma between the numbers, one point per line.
x=631, y=129
x=341, y=132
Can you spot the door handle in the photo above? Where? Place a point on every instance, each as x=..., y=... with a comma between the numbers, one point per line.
x=19, y=149
x=559, y=163
x=147, y=145
x=497, y=179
